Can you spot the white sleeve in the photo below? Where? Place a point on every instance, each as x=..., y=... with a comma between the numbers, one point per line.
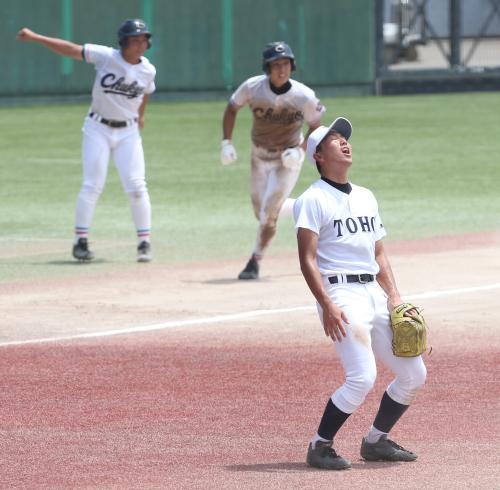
x=242, y=95
x=313, y=110
x=96, y=54
x=379, y=226
x=151, y=87
x=308, y=213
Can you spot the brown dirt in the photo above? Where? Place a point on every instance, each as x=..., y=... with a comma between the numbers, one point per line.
x=233, y=404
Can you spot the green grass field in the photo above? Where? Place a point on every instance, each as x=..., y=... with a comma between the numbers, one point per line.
x=432, y=162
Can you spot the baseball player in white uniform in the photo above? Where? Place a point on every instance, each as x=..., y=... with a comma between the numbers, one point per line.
x=342, y=257
x=280, y=106
x=124, y=80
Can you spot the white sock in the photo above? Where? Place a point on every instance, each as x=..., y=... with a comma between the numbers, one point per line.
x=374, y=435
x=317, y=438
x=80, y=233
x=140, y=207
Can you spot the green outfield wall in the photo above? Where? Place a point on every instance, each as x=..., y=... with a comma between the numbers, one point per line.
x=198, y=45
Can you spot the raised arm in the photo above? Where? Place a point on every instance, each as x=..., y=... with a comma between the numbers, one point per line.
x=333, y=316
x=59, y=46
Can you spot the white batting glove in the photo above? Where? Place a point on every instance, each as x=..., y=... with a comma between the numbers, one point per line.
x=292, y=157
x=228, y=153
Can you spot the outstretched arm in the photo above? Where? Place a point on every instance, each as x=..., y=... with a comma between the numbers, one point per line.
x=59, y=46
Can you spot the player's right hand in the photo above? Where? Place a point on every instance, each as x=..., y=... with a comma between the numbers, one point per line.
x=228, y=153
x=25, y=34
x=333, y=322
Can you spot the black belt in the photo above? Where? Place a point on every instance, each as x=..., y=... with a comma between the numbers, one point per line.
x=109, y=122
x=361, y=278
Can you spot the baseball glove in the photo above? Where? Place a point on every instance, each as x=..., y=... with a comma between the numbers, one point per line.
x=409, y=333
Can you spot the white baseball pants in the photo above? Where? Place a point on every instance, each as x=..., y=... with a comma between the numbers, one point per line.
x=271, y=184
x=369, y=336
x=125, y=146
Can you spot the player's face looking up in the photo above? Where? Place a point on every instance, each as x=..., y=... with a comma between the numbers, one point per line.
x=280, y=71
x=135, y=48
x=334, y=149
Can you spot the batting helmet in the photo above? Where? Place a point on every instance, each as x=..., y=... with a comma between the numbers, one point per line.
x=274, y=51
x=132, y=27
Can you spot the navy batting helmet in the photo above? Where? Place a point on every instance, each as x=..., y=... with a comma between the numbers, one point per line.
x=132, y=27
x=275, y=51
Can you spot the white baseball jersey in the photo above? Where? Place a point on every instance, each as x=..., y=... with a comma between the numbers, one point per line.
x=119, y=86
x=348, y=226
x=278, y=119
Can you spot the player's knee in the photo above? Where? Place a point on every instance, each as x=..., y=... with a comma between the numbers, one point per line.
x=415, y=379
x=359, y=386
x=404, y=388
x=136, y=188
x=419, y=376
x=136, y=195
x=91, y=190
x=268, y=219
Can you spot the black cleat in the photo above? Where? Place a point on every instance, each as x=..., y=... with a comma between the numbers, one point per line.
x=144, y=252
x=385, y=450
x=81, y=250
x=324, y=456
x=251, y=271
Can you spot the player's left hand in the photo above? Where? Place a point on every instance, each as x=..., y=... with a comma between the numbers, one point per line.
x=25, y=34
x=140, y=122
x=292, y=157
x=409, y=331
x=396, y=301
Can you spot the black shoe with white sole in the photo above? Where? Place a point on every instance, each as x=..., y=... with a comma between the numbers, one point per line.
x=81, y=250
x=144, y=252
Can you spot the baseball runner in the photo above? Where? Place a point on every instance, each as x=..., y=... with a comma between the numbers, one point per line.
x=280, y=106
x=124, y=80
x=342, y=257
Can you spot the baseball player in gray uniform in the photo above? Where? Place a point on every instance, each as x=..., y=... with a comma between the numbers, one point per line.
x=280, y=106
x=124, y=80
x=342, y=257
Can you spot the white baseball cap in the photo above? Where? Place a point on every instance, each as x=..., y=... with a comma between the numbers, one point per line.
x=340, y=125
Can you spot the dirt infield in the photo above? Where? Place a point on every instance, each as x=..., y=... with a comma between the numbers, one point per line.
x=223, y=391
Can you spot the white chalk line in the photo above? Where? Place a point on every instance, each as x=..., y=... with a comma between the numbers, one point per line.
x=230, y=317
